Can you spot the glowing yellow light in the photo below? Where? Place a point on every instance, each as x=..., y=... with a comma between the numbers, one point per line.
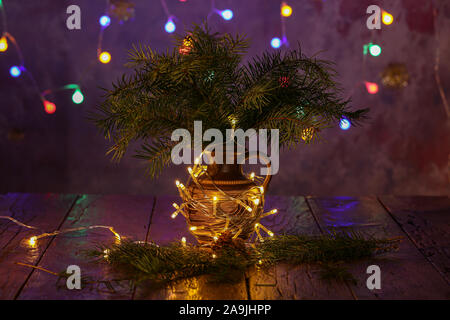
x=274, y=211
x=215, y=198
x=252, y=176
x=249, y=209
x=32, y=241
x=256, y=201
x=174, y=215
x=286, y=10
x=193, y=228
x=214, y=256
x=106, y=253
x=3, y=44
x=197, y=160
x=387, y=18
x=215, y=238
x=256, y=225
x=260, y=262
x=261, y=189
x=104, y=57
x=177, y=183
x=270, y=233
x=183, y=241
x=190, y=170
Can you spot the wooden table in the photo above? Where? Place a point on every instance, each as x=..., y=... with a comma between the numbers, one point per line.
x=420, y=269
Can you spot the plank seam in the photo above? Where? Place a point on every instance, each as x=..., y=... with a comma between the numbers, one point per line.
x=146, y=238
x=150, y=219
x=307, y=200
x=45, y=249
x=412, y=240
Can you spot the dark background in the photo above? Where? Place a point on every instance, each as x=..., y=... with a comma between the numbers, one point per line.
x=403, y=149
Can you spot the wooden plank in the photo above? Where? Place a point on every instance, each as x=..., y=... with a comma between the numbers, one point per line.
x=7, y=232
x=286, y=281
x=405, y=274
x=426, y=220
x=128, y=215
x=44, y=211
x=163, y=230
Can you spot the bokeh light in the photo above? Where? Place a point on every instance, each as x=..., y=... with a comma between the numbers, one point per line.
x=227, y=14
x=286, y=10
x=371, y=87
x=49, y=107
x=387, y=18
x=3, y=44
x=105, y=21
x=275, y=43
x=375, y=50
x=170, y=26
x=77, y=97
x=104, y=57
x=15, y=71
x=344, y=124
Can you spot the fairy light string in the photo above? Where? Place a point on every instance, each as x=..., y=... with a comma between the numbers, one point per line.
x=17, y=70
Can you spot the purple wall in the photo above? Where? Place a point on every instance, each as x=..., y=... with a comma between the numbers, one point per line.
x=403, y=149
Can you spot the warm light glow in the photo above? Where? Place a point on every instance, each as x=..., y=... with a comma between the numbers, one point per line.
x=215, y=238
x=183, y=241
x=32, y=241
x=174, y=215
x=3, y=44
x=193, y=228
x=286, y=10
x=256, y=201
x=104, y=57
x=252, y=176
x=387, y=18
x=215, y=198
x=261, y=189
x=214, y=256
x=270, y=233
x=274, y=210
x=177, y=183
x=49, y=107
x=371, y=87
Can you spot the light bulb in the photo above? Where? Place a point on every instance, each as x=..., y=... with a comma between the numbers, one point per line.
x=286, y=10
x=275, y=43
x=3, y=44
x=104, y=21
x=375, y=50
x=15, y=71
x=77, y=97
x=387, y=18
x=227, y=14
x=371, y=87
x=170, y=26
x=104, y=57
x=344, y=124
x=49, y=107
